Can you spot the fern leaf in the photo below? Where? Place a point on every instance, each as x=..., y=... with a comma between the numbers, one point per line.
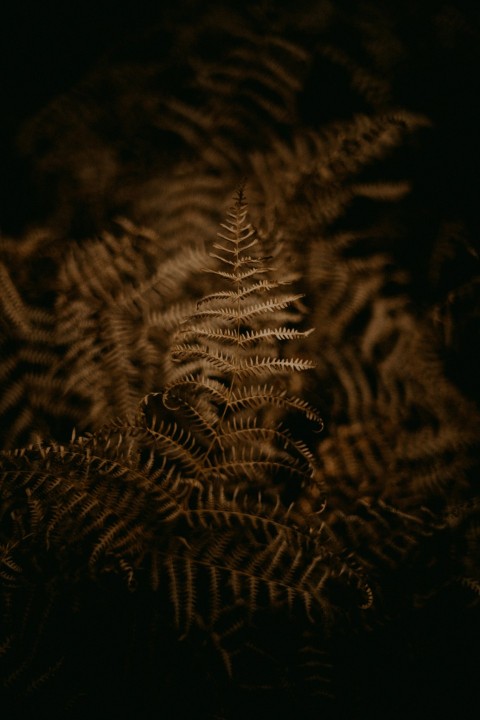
x=258, y=396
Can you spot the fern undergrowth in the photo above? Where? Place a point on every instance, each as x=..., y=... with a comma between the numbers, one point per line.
x=210, y=547
x=207, y=496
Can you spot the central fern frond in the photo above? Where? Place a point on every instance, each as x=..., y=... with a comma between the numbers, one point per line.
x=228, y=388
x=236, y=330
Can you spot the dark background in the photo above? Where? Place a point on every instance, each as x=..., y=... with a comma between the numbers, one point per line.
x=48, y=47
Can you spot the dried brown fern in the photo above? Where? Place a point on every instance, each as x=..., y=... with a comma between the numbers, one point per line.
x=204, y=497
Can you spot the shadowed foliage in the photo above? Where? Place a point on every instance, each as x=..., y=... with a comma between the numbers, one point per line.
x=206, y=503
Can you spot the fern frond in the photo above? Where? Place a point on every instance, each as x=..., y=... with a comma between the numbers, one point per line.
x=116, y=331
x=249, y=434
x=245, y=313
x=233, y=336
x=316, y=168
x=257, y=579
x=257, y=396
x=209, y=387
x=260, y=366
x=232, y=295
x=13, y=306
x=243, y=339
x=237, y=277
